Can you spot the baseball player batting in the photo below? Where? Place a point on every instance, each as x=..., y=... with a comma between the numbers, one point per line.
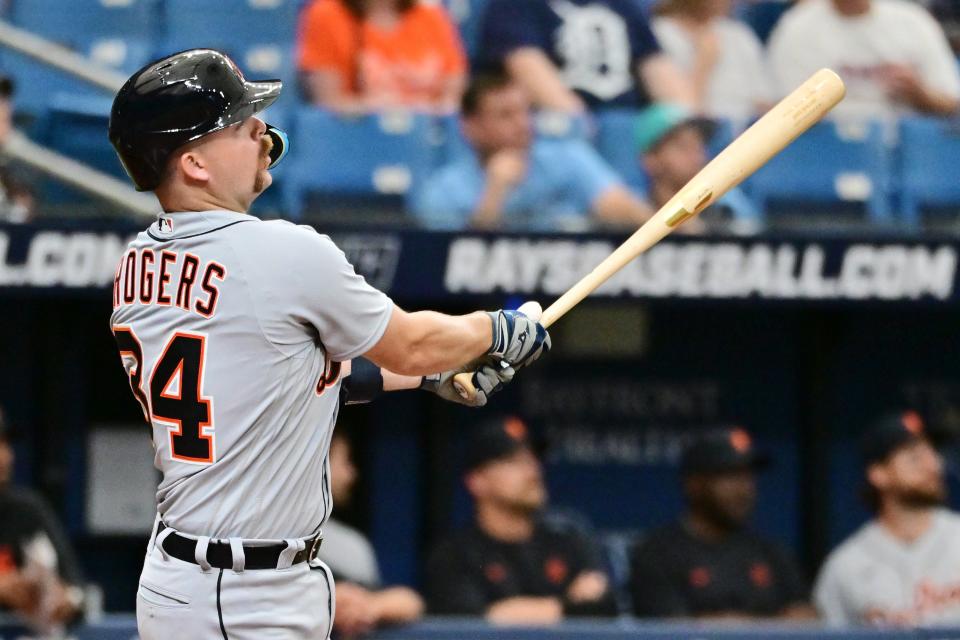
x=238, y=336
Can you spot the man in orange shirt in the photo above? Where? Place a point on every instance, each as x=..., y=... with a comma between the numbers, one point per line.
x=364, y=55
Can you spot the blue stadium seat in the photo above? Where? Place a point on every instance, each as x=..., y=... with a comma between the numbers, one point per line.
x=77, y=127
x=929, y=157
x=259, y=34
x=830, y=164
x=468, y=16
x=378, y=157
x=118, y=35
x=615, y=143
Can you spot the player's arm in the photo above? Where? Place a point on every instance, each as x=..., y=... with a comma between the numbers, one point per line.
x=424, y=342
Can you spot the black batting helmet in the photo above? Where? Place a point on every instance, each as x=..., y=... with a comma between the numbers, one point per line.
x=181, y=98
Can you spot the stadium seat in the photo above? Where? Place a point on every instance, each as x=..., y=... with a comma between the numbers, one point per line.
x=117, y=35
x=615, y=143
x=831, y=164
x=259, y=34
x=762, y=15
x=468, y=16
x=374, y=159
x=929, y=156
x=76, y=127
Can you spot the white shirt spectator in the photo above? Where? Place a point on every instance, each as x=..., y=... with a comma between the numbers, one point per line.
x=739, y=82
x=860, y=48
x=875, y=578
x=349, y=555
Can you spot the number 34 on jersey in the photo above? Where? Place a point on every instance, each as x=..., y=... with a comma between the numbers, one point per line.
x=173, y=396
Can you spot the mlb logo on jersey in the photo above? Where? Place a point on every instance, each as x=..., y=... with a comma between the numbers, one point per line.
x=165, y=224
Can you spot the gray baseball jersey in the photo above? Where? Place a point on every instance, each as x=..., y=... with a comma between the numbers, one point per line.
x=231, y=330
x=874, y=578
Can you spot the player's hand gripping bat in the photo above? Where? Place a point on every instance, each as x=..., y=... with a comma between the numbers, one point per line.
x=752, y=149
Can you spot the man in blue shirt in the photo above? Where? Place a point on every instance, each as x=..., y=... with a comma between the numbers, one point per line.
x=572, y=54
x=512, y=180
x=672, y=148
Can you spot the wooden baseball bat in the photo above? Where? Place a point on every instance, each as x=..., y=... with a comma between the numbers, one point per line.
x=769, y=135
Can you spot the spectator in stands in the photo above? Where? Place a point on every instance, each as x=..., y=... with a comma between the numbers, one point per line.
x=515, y=181
x=16, y=200
x=672, y=147
x=509, y=566
x=39, y=577
x=709, y=565
x=367, y=55
x=892, y=55
x=362, y=602
x=723, y=57
x=575, y=54
x=901, y=567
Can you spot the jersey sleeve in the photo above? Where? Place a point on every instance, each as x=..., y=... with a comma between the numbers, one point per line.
x=793, y=589
x=588, y=557
x=452, y=585
x=938, y=66
x=643, y=42
x=593, y=175
x=828, y=596
x=653, y=589
x=46, y=524
x=509, y=25
x=308, y=291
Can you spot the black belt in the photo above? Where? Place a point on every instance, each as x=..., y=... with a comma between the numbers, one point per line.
x=220, y=555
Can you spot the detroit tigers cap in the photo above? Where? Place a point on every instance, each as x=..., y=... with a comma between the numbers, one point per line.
x=720, y=450
x=496, y=439
x=891, y=431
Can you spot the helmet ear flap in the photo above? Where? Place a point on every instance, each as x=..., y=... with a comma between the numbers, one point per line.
x=280, y=145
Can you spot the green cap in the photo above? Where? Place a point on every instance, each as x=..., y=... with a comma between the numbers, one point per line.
x=658, y=120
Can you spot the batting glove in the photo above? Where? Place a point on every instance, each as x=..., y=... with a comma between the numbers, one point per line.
x=517, y=339
x=489, y=376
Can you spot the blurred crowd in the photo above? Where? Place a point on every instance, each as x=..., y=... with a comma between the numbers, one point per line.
x=573, y=114
x=684, y=67
x=520, y=562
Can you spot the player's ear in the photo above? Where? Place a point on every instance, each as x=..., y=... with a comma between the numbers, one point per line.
x=193, y=166
x=878, y=476
x=474, y=482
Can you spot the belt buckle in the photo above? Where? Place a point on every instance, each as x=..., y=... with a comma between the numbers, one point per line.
x=314, y=548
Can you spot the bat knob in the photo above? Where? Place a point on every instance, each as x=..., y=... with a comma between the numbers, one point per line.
x=463, y=384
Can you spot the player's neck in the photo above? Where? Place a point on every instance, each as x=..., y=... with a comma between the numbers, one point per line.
x=174, y=200
x=504, y=525
x=703, y=528
x=905, y=523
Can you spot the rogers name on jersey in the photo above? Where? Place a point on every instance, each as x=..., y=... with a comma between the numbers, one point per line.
x=700, y=269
